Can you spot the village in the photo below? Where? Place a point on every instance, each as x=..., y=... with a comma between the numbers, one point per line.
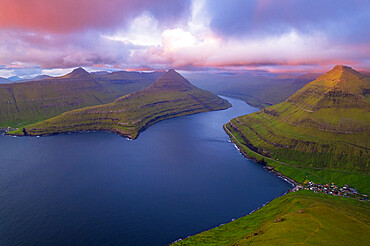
x=331, y=189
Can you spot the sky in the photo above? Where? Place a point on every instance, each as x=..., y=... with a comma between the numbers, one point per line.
x=54, y=36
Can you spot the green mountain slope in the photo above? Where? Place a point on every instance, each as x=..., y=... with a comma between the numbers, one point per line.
x=323, y=129
x=299, y=218
x=170, y=96
x=29, y=102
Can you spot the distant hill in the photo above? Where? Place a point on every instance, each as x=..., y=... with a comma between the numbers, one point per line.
x=40, y=77
x=100, y=73
x=4, y=80
x=257, y=90
x=323, y=128
x=17, y=79
x=14, y=78
x=78, y=73
x=170, y=96
x=33, y=101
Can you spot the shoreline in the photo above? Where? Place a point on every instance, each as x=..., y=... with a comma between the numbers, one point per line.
x=267, y=167
x=118, y=133
x=251, y=212
x=271, y=169
x=115, y=130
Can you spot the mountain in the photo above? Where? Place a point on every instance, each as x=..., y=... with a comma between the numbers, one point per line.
x=14, y=78
x=33, y=101
x=257, y=90
x=170, y=96
x=4, y=80
x=128, y=77
x=78, y=73
x=100, y=73
x=322, y=131
x=37, y=78
x=41, y=77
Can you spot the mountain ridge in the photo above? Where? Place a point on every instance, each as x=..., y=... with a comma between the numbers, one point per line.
x=169, y=96
x=24, y=103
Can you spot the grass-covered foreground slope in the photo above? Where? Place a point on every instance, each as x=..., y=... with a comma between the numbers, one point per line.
x=299, y=218
x=323, y=129
x=170, y=96
x=30, y=102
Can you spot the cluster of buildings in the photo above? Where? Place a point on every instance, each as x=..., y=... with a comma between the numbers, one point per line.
x=332, y=189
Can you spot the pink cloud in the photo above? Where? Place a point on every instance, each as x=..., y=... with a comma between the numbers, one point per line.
x=286, y=52
x=96, y=33
x=60, y=16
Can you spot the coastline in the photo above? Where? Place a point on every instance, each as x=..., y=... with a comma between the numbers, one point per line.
x=115, y=130
x=267, y=167
x=251, y=212
x=271, y=169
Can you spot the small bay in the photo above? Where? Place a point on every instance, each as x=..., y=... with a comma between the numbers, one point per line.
x=180, y=177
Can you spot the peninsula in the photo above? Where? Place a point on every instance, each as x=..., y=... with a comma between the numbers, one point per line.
x=170, y=96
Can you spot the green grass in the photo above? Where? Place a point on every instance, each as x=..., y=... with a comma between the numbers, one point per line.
x=299, y=218
x=321, y=132
x=170, y=96
x=300, y=173
x=29, y=102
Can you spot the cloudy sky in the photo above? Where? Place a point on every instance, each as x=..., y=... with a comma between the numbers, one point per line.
x=54, y=36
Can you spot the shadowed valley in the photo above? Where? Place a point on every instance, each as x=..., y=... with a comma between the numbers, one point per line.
x=258, y=90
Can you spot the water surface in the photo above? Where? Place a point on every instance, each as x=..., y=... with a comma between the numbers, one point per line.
x=180, y=177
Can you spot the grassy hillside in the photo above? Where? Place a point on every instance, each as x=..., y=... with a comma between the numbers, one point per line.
x=322, y=129
x=257, y=90
x=170, y=96
x=29, y=102
x=299, y=218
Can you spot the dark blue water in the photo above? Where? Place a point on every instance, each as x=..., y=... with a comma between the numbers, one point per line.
x=180, y=177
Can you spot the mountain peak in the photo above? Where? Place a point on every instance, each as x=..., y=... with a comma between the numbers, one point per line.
x=340, y=73
x=172, y=80
x=77, y=73
x=341, y=68
x=341, y=87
